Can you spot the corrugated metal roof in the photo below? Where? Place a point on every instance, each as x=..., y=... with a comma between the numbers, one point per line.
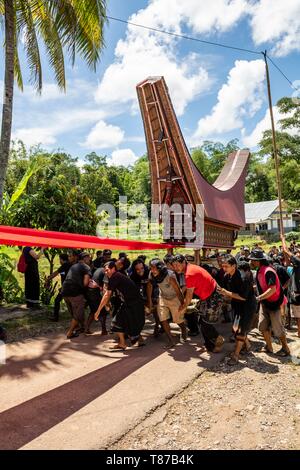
x=258, y=211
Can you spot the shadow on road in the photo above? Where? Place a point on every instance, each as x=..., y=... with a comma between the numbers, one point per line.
x=25, y=422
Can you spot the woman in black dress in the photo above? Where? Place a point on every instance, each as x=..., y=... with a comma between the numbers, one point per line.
x=129, y=317
x=32, y=277
x=238, y=286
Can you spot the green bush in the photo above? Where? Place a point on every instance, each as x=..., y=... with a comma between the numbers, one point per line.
x=47, y=290
x=272, y=237
x=292, y=235
x=10, y=290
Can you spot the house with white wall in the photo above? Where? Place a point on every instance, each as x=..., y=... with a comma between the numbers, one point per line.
x=263, y=217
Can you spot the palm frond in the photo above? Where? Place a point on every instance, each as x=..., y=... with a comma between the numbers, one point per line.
x=46, y=28
x=18, y=71
x=80, y=24
x=25, y=24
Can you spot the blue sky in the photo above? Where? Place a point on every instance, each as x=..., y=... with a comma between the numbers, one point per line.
x=218, y=94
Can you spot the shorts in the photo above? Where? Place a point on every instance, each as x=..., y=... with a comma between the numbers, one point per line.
x=76, y=306
x=295, y=311
x=169, y=309
x=270, y=320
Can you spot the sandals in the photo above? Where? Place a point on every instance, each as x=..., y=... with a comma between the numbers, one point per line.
x=265, y=350
x=117, y=347
x=283, y=353
x=218, y=344
x=88, y=333
x=233, y=361
x=169, y=346
x=80, y=330
x=75, y=334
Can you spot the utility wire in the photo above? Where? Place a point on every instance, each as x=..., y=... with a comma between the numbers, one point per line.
x=190, y=38
x=282, y=73
x=211, y=43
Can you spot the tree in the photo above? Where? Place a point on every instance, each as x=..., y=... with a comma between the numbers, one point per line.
x=201, y=160
x=259, y=185
x=65, y=26
x=211, y=157
x=137, y=182
x=288, y=143
x=54, y=200
x=95, y=181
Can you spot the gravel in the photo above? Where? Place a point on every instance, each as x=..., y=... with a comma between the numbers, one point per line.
x=253, y=405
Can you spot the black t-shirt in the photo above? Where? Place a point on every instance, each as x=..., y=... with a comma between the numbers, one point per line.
x=63, y=271
x=296, y=274
x=99, y=276
x=141, y=281
x=98, y=262
x=242, y=286
x=281, y=273
x=32, y=263
x=220, y=277
x=235, y=284
x=124, y=287
x=73, y=284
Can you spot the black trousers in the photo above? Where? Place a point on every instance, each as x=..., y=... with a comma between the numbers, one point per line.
x=57, y=302
x=209, y=333
x=192, y=322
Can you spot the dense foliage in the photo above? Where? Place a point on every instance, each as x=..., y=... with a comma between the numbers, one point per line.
x=10, y=290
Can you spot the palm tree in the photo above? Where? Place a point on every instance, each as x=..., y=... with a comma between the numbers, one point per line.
x=66, y=27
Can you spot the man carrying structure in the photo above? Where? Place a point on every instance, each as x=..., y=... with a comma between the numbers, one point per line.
x=202, y=286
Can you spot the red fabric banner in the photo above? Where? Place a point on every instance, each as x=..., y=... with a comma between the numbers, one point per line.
x=31, y=237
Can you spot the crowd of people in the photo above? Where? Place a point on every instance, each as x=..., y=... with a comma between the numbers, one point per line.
x=251, y=289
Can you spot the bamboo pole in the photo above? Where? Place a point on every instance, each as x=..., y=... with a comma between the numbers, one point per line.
x=275, y=149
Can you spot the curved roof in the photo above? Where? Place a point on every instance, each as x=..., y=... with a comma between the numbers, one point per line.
x=168, y=154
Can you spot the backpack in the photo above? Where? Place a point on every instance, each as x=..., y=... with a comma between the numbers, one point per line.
x=22, y=265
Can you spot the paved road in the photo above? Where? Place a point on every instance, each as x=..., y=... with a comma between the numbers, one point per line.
x=60, y=394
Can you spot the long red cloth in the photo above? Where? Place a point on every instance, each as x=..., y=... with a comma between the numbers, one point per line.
x=31, y=237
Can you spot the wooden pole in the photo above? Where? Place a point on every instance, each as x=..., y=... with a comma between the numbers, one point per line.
x=275, y=149
x=197, y=257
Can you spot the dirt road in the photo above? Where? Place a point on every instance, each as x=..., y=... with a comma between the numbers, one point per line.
x=255, y=405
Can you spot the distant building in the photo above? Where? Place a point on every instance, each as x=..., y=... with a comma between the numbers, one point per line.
x=263, y=217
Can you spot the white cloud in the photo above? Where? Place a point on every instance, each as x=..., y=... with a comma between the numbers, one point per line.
x=53, y=113
x=123, y=157
x=76, y=88
x=50, y=126
x=276, y=21
x=144, y=53
x=252, y=140
x=34, y=136
x=215, y=16
x=241, y=97
x=103, y=136
x=203, y=17
x=50, y=92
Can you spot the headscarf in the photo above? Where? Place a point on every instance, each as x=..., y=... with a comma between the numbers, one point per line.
x=162, y=268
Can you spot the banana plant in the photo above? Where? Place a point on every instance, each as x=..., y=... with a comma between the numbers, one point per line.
x=8, y=202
